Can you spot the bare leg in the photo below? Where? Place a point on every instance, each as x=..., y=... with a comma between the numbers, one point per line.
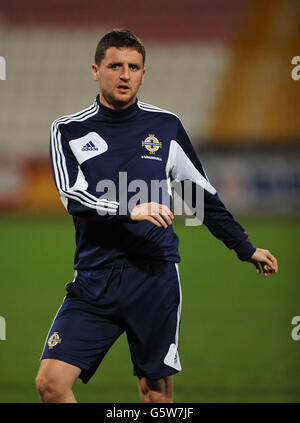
x=55, y=379
x=156, y=390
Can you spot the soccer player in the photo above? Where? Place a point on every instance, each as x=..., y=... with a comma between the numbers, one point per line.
x=126, y=259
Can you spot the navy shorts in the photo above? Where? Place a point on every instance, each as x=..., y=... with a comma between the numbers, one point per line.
x=141, y=299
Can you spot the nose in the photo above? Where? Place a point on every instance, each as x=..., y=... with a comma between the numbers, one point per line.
x=125, y=75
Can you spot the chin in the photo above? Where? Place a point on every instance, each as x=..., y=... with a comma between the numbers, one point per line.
x=118, y=101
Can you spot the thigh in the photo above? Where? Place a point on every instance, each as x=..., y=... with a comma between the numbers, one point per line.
x=80, y=336
x=58, y=372
x=152, y=314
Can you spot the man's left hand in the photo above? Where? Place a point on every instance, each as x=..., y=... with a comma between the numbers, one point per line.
x=264, y=262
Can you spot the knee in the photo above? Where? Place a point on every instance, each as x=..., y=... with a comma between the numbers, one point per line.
x=48, y=388
x=156, y=391
x=157, y=397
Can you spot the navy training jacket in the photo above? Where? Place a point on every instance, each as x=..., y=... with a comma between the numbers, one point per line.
x=105, y=161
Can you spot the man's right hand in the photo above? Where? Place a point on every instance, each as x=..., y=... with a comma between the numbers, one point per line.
x=158, y=214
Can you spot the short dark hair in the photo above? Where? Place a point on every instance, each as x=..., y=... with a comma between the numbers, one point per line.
x=119, y=38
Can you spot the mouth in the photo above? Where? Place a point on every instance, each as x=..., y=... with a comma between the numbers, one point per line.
x=123, y=88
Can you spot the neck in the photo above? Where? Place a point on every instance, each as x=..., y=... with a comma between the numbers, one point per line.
x=113, y=114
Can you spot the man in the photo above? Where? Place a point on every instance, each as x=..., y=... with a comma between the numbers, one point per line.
x=126, y=275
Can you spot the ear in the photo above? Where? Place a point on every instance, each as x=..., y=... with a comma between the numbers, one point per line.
x=95, y=72
x=143, y=77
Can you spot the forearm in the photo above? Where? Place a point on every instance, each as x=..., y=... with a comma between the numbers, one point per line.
x=224, y=227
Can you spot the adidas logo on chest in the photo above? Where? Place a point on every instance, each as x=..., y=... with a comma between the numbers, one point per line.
x=88, y=146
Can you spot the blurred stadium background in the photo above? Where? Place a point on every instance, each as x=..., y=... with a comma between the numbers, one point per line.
x=223, y=66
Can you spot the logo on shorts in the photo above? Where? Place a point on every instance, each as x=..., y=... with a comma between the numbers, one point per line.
x=172, y=358
x=54, y=340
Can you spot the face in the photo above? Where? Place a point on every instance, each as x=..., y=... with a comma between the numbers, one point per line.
x=120, y=75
